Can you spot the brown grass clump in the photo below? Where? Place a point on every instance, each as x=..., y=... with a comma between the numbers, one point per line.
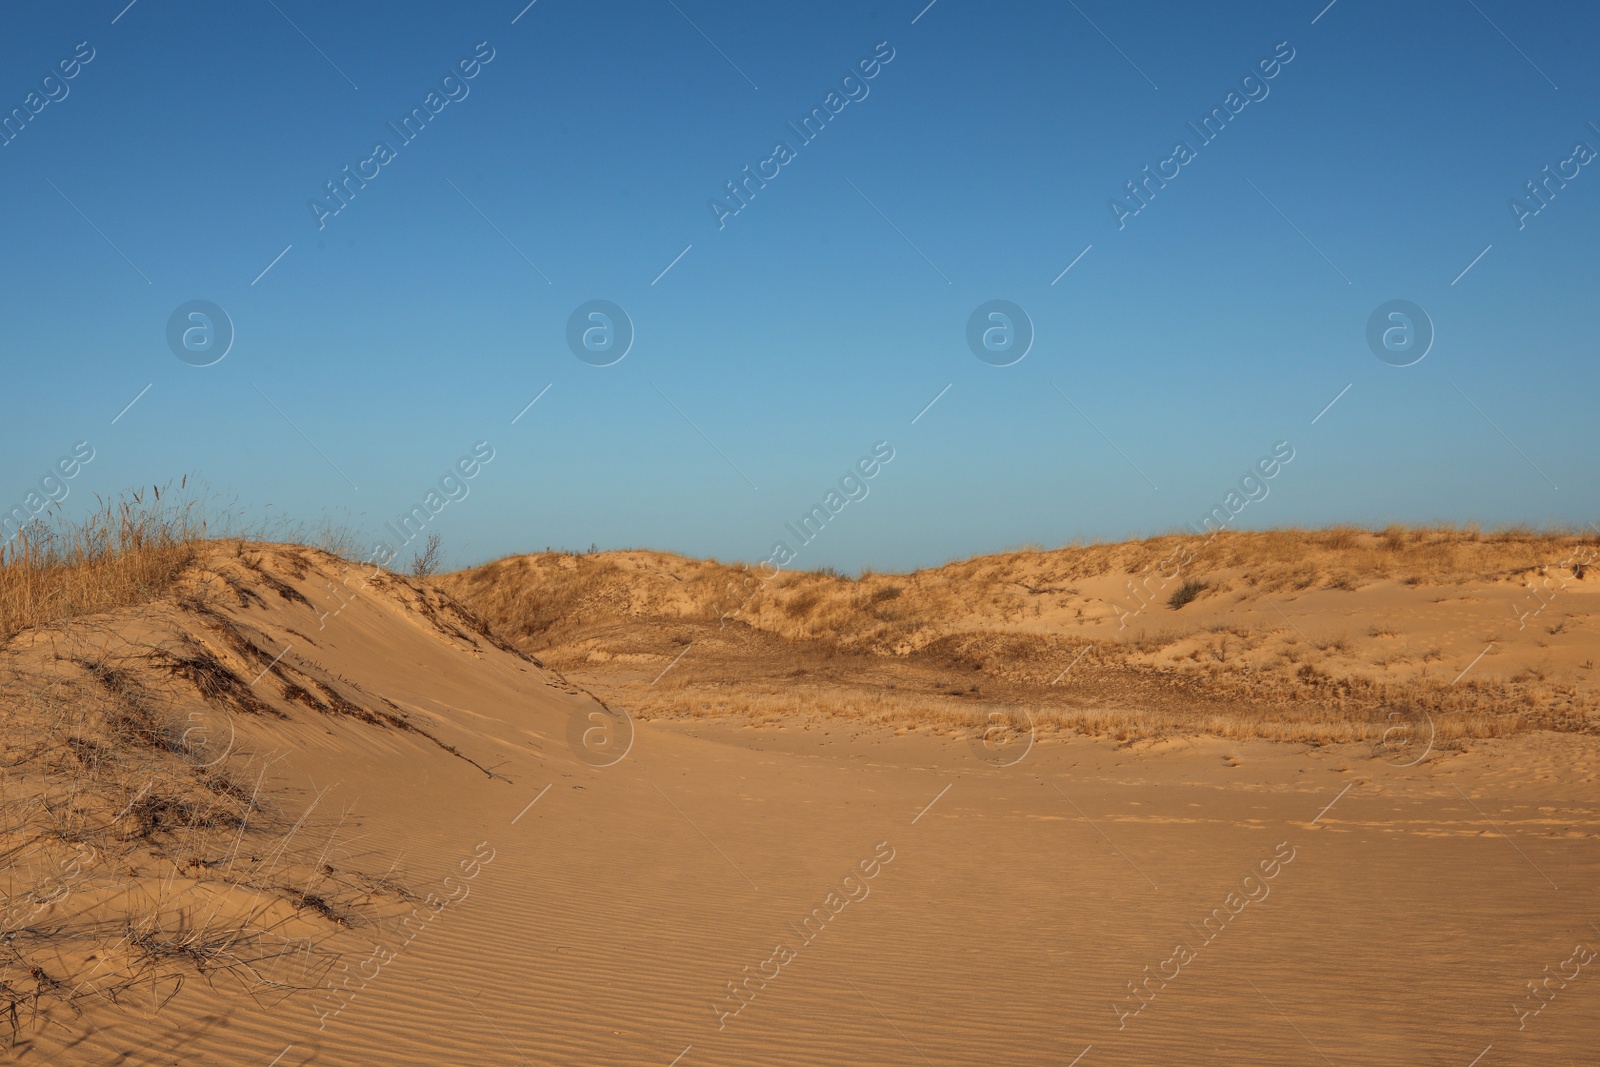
x=1185, y=593
x=126, y=552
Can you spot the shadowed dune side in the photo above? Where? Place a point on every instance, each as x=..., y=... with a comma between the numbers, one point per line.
x=177, y=813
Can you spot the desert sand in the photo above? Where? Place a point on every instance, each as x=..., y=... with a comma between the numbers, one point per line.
x=293, y=812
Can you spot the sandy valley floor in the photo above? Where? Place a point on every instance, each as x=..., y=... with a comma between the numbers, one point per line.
x=1018, y=905
x=879, y=894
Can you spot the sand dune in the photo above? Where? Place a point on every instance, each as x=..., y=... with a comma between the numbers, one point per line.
x=1316, y=636
x=314, y=817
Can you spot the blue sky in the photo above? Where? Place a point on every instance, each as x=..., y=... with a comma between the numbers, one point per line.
x=828, y=312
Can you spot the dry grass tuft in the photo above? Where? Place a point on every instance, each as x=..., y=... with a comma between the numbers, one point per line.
x=1185, y=593
x=126, y=552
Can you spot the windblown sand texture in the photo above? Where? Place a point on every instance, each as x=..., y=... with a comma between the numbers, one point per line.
x=296, y=813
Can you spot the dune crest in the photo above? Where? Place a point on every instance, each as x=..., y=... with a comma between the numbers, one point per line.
x=185, y=779
x=1317, y=635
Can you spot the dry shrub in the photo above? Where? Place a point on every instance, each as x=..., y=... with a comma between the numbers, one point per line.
x=1186, y=592
x=801, y=604
x=1340, y=538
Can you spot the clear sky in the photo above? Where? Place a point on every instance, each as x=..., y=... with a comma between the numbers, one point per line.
x=575, y=152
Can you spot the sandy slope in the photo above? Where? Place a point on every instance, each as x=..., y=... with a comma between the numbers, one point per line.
x=1311, y=635
x=1400, y=604
x=968, y=913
